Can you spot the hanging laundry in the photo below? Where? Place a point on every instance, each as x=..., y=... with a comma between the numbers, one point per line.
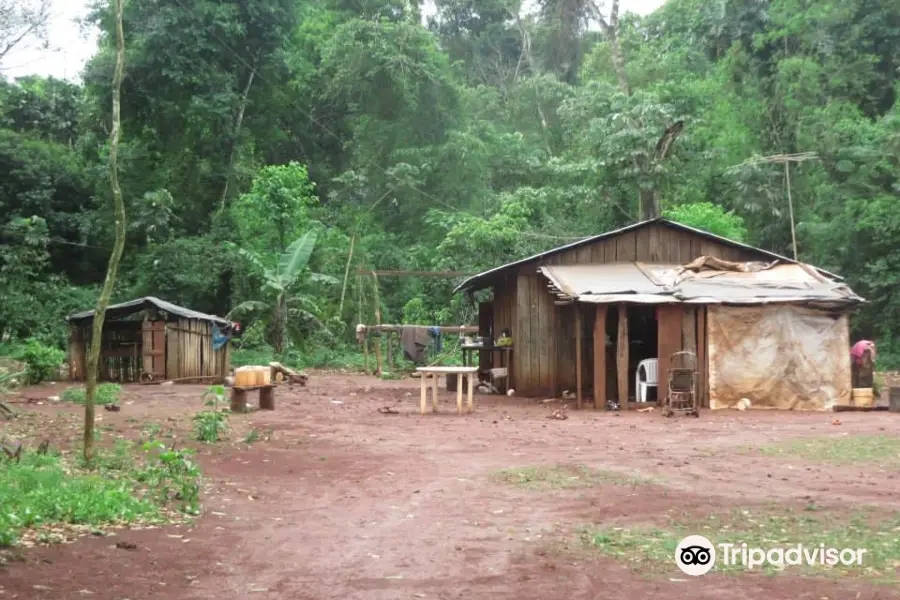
x=219, y=338
x=438, y=341
x=414, y=339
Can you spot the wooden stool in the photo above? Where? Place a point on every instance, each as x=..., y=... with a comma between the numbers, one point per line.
x=266, y=397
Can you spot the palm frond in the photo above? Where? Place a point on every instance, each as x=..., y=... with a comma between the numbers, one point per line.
x=322, y=278
x=249, y=306
x=253, y=259
x=296, y=257
x=299, y=312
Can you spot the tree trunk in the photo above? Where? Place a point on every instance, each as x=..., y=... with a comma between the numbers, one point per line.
x=237, y=132
x=618, y=59
x=280, y=325
x=649, y=200
x=118, y=246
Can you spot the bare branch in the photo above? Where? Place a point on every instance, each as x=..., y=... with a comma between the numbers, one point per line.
x=21, y=20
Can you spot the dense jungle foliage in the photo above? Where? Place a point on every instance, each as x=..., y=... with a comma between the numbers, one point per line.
x=457, y=141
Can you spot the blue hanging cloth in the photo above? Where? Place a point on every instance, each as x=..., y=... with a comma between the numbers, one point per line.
x=219, y=339
x=438, y=342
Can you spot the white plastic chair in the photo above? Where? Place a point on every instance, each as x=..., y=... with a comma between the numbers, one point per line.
x=650, y=368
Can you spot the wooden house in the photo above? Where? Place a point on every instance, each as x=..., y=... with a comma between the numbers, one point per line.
x=582, y=316
x=149, y=339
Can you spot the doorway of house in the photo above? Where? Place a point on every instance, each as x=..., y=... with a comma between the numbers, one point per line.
x=643, y=329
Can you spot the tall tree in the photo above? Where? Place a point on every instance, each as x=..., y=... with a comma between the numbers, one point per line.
x=119, y=245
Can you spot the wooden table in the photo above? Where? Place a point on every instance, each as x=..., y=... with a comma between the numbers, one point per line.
x=435, y=373
x=239, y=397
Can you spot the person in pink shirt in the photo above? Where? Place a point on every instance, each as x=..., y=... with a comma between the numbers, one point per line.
x=863, y=363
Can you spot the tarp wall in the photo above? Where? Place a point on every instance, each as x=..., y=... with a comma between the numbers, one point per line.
x=786, y=357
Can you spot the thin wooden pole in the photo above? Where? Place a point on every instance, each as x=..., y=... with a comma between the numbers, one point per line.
x=390, y=350
x=346, y=275
x=600, y=357
x=787, y=180
x=365, y=346
x=622, y=357
x=578, y=376
x=378, y=321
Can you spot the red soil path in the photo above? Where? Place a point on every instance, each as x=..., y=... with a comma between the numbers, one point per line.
x=344, y=502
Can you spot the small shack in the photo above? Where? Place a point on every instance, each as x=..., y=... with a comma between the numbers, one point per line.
x=583, y=316
x=149, y=339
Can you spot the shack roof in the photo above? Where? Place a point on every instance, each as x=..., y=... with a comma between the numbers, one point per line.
x=486, y=278
x=124, y=309
x=671, y=284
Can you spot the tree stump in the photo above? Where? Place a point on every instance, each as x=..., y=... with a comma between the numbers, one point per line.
x=238, y=400
x=267, y=398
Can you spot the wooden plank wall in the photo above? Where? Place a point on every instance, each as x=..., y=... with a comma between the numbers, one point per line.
x=534, y=359
x=77, y=355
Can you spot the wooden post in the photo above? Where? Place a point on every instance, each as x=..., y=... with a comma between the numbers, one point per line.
x=434, y=394
x=600, y=357
x=622, y=357
x=238, y=400
x=390, y=352
x=378, y=355
x=471, y=378
x=377, y=322
x=267, y=398
x=424, y=398
x=578, y=376
x=459, y=387
x=365, y=346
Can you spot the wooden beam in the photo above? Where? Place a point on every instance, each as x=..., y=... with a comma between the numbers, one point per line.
x=622, y=357
x=415, y=273
x=578, y=376
x=442, y=329
x=600, y=357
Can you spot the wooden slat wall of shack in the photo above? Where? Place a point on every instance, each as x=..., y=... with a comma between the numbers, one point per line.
x=669, y=330
x=504, y=307
x=534, y=360
x=173, y=351
x=77, y=353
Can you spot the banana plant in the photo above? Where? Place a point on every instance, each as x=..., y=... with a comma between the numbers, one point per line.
x=283, y=302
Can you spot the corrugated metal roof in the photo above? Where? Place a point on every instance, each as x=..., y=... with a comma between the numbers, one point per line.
x=659, y=284
x=133, y=306
x=483, y=279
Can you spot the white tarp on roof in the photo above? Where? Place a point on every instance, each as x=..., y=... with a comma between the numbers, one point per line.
x=659, y=284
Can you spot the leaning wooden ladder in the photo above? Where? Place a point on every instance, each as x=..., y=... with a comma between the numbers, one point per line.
x=681, y=397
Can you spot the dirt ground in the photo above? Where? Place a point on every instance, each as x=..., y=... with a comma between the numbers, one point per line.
x=344, y=502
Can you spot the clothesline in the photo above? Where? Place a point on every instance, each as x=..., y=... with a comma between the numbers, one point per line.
x=397, y=328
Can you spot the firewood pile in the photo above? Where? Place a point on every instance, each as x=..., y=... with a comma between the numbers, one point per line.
x=281, y=374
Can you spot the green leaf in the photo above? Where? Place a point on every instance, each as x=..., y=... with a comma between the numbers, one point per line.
x=295, y=259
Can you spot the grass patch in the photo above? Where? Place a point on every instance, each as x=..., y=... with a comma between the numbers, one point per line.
x=876, y=449
x=107, y=393
x=652, y=550
x=48, y=498
x=546, y=477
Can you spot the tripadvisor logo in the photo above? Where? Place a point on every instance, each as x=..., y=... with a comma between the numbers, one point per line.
x=696, y=555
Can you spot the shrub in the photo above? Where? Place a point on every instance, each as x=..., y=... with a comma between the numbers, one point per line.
x=209, y=425
x=172, y=475
x=41, y=362
x=107, y=393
